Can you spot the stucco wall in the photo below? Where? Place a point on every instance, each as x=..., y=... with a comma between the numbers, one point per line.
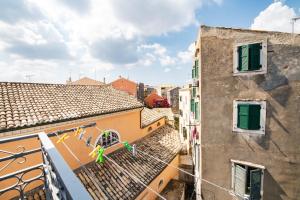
x=127, y=124
x=168, y=174
x=279, y=149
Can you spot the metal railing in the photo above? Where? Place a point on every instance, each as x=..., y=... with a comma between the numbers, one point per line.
x=58, y=178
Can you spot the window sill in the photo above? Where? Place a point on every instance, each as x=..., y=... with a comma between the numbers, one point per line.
x=250, y=132
x=249, y=73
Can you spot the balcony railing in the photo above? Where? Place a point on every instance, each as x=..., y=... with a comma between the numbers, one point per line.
x=59, y=181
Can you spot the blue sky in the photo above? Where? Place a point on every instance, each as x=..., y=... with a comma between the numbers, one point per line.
x=148, y=41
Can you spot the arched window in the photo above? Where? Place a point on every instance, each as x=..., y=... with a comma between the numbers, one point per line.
x=107, y=138
x=158, y=124
x=149, y=129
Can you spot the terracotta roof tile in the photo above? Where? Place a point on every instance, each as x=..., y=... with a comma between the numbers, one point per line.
x=29, y=104
x=86, y=81
x=149, y=116
x=107, y=181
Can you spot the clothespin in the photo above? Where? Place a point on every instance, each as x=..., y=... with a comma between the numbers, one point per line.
x=100, y=158
x=94, y=152
x=88, y=141
x=63, y=138
x=127, y=146
x=106, y=133
x=78, y=131
x=81, y=134
x=133, y=150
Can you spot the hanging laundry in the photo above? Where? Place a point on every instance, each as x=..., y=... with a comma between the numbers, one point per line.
x=81, y=134
x=78, y=131
x=195, y=134
x=127, y=146
x=100, y=158
x=94, y=152
x=63, y=138
x=88, y=141
x=134, y=150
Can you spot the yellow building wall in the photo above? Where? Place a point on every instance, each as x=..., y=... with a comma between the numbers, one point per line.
x=168, y=174
x=127, y=124
x=152, y=127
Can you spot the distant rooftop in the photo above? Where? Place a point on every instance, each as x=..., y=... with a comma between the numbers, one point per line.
x=32, y=104
x=149, y=116
x=85, y=81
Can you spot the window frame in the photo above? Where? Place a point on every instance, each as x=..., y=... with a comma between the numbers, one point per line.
x=263, y=57
x=246, y=164
x=262, y=129
x=102, y=133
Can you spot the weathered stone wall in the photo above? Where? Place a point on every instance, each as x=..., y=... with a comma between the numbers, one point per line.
x=279, y=149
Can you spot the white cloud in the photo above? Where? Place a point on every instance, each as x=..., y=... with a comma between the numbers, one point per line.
x=187, y=56
x=167, y=70
x=80, y=35
x=276, y=17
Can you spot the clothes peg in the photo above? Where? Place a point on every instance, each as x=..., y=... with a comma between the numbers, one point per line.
x=94, y=152
x=100, y=158
x=81, y=134
x=78, y=131
x=88, y=141
x=127, y=146
x=63, y=138
x=134, y=150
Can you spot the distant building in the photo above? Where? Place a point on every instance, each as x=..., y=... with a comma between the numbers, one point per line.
x=163, y=89
x=173, y=99
x=140, y=92
x=185, y=115
x=148, y=90
x=125, y=85
x=84, y=81
x=155, y=101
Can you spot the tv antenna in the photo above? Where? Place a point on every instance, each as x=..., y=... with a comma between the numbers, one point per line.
x=294, y=19
x=28, y=77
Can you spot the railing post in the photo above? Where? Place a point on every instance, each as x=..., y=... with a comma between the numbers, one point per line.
x=60, y=179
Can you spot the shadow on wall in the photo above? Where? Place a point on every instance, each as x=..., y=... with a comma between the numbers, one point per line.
x=272, y=190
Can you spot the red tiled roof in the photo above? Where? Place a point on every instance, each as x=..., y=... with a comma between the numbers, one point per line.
x=31, y=104
x=107, y=181
x=125, y=85
x=86, y=81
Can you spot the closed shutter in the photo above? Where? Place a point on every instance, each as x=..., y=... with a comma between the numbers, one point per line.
x=193, y=73
x=196, y=110
x=255, y=184
x=192, y=105
x=243, y=116
x=243, y=58
x=239, y=180
x=254, y=117
x=254, y=54
x=196, y=72
x=194, y=92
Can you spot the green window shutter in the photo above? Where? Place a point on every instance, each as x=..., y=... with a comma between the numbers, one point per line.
x=193, y=72
x=196, y=110
x=192, y=105
x=196, y=72
x=196, y=63
x=254, y=54
x=254, y=117
x=243, y=116
x=240, y=180
x=255, y=184
x=194, y=92
x=249, y=116
x=243, y=58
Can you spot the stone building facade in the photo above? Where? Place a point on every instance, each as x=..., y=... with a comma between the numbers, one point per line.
x=249, y=114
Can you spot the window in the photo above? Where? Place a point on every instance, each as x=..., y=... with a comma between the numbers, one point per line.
x=107, y=138
x=149, y=129
x=250, y=58
x=192, y=105
x=184, y=133
x=196, y=110
x=180, y=112
x=249, y=116
x=180, y=98
x=247, y=181
x=193, y=72
x=160, y=183
x=158, y=124
x=194, y=92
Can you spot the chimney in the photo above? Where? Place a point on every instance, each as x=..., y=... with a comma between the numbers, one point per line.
x=103, y=79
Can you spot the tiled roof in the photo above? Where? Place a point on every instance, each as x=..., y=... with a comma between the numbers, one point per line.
x=107, y=181
x=32, y=104
x=86, y=81
x=167, y=112
x=149, y=116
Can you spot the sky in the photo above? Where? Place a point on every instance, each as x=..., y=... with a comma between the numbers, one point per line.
x=149, y=41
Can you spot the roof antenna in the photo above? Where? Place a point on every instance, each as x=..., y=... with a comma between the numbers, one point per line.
x=28, y=77
x=294, y=19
